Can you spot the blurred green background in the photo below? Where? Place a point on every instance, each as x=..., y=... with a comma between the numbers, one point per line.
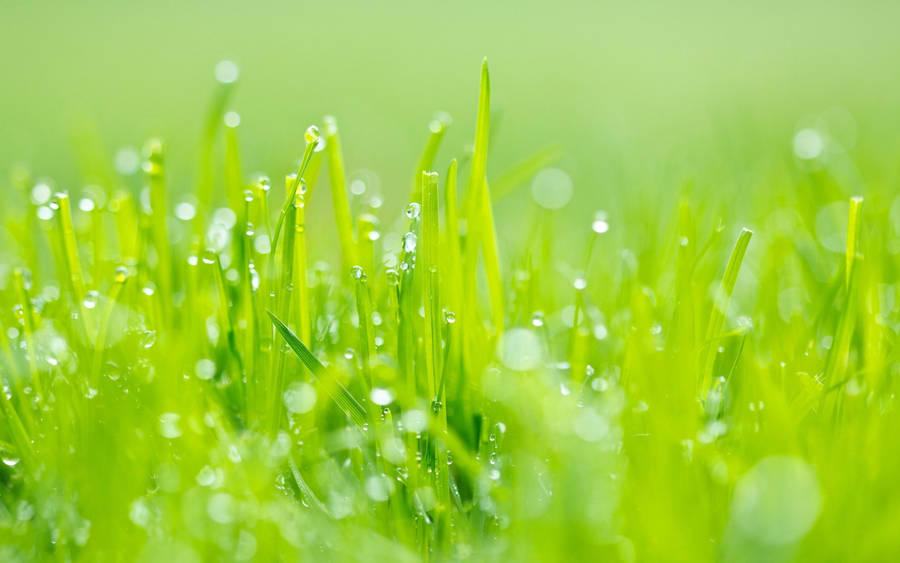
x=627, y=89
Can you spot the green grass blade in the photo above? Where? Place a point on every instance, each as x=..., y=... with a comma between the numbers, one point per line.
x=344, y=399
x=436, y=129
x=720, y=305
x=853, y=229
x=339, y=193
x=479, y=156
x=836, y=361
x=312, y=137
x=431, y=261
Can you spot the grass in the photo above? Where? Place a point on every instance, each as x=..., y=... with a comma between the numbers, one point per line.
x=182, y=384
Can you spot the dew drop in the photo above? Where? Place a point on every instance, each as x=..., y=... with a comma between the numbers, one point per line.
x=86, y=204
x=381, y=396
x=519, y=349
x=205, y=368
x=414, y=420
x=312, y=134
x=552, y=188
x=599, y=225
x=91, y=299
x=168, y=425
x=40, y=193
x=148, y=339
x=299, y=397
x=232, y=119
x=226, y=72
x=777, y=501
x=409, y=242
x=808, y=144
x=185, y=211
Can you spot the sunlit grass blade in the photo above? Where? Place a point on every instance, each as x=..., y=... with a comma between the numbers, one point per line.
x=366, y=329
x=338, y=183
x=479, y=156
x=853, y=229
x=721, y=300
x=69, y=247
x=311, y=137
x=154, y=168
x=836, y=361
x=437, y=127
x=431, y=296
x=488, y=234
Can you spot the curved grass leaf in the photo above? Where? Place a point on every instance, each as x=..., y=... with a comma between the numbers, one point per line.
x=344, y=399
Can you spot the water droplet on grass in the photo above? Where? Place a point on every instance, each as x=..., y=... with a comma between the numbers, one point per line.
x=44, y=213
x=226, y=72
x=205, y=368
x=168, y=425
x=261, y=244
x=246, y=546
x=409, y=242
x=414, y=420
x=86, y=204
x=185, y=211
x=220, y=508
x=91, y=299
x=139, y=513
x=299, y=397
x=127, y=161
x=599, y=224
x=808, y=144
x=148, y=339
x=552, y=188
x=206, y=476
x=520, y=349
x=311, y=135
x=40, y=193
x=232, y=119
x=777, y=501
x=378, y=488
x=381, y=396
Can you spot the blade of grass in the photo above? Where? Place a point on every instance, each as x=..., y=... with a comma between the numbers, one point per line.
x=720, y=306
x=836, y=360
x=154, y=168
x=340, y=395
x=437, y=127
x=339, y=193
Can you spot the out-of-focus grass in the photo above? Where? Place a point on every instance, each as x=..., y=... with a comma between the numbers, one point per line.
x=570, y=344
